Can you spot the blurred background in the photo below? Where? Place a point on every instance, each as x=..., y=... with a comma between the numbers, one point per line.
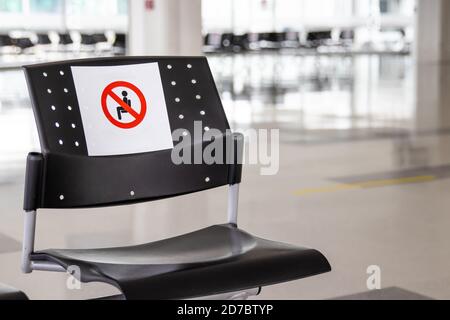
x=358, y=88
x=302, y=65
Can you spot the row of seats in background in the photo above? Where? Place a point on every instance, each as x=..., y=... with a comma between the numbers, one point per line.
x=324, y=40
x=20, y=43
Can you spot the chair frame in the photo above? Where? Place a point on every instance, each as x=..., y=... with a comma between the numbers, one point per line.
x=29, y=266
x=30, y=217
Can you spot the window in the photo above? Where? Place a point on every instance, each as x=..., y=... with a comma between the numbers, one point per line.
x=97, y=7
x=122, y=7
x=96, y=15
x=75, y=7
x=10, y=5
x=47, y=6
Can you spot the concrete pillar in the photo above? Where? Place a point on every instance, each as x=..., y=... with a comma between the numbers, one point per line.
x=433, y=31
x=432, y=97
x=165, y=27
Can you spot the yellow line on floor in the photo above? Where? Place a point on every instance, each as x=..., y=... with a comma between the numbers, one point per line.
x=365, y=185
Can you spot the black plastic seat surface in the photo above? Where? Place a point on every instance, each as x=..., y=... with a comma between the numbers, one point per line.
x=9, y=293
x=214, y=260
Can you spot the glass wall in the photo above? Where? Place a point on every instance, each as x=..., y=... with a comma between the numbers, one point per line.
x=45, y=6
x=63, y=14
x=122, y=7
x=10, y=6
x=277, y=15
x=89, y=14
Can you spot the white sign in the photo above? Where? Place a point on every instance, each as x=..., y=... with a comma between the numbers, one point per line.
x=123, y=109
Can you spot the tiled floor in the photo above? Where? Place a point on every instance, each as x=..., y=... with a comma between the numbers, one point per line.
x=339, y=121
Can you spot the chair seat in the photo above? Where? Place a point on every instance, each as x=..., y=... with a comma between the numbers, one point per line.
x=9, y=293
x=215, y=260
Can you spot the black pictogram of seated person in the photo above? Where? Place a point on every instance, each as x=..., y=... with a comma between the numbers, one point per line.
x=120, y=109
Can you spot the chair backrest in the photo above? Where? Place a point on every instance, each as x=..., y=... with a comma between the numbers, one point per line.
x=270, y=36
x=65, y=39
x=226, y=40
x=76, y=123
x=5, y=40
x=23, y=43
x=99, y=37
x=43, y=39
x=120, y=41
x=240, y=42
x=87, y=39
x=319, y=36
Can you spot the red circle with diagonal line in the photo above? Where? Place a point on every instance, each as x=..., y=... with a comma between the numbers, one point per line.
x=138, y=116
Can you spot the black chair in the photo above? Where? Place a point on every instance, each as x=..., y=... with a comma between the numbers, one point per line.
x=22, y=43
x=65, y=39
x=5, y=40
x=212, y=39
x=216, y=260
x=316, y=39
x=212, y=42
x=120, y=41
x=88, y=39
x=240, y=43
x=119, y=46
x=99, y=38
x=226, y=42
x=271, y=40
x=43, y=39
x=9, y=293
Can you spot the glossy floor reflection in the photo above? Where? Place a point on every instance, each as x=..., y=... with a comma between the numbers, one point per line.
x=367, y=122
x=305, y=93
